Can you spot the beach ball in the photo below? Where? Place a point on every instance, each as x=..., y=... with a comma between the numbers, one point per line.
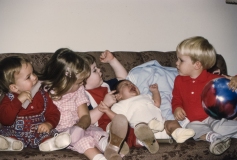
x=218, y=100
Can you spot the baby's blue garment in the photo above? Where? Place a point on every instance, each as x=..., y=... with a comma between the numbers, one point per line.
x=152, y=72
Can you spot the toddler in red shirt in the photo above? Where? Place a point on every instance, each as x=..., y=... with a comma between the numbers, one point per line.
x=196, y=55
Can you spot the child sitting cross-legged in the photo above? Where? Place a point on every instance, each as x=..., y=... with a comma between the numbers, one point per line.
x=195, y=56
x=144, y=115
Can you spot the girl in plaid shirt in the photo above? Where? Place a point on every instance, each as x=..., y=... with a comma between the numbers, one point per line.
x=63, y=78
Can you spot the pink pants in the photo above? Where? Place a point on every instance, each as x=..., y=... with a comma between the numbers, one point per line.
x=85, y=139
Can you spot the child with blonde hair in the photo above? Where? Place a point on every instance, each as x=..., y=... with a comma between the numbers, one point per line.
x=32, y=126
x=196, y=55
x=64, y=77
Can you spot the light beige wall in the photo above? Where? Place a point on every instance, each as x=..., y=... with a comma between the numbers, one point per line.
x=118, y=25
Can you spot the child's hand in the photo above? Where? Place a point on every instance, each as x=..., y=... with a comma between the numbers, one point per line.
x=106, y=56
x=228, y=77
x=217, y=71
x=44, y=127
x=233, y=82
x=102, y=107
x=179, y=114
x=153, y=88
x=23, y=96
x=109, y=99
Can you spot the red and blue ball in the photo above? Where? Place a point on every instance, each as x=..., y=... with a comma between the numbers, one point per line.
x=218, y=100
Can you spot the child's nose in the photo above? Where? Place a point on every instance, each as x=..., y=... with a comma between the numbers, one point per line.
x=177, y=63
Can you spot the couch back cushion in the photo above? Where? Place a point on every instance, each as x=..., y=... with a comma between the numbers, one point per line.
x=127, y=59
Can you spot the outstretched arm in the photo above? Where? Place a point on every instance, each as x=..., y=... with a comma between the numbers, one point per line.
x=155, y=94
x=119, y=70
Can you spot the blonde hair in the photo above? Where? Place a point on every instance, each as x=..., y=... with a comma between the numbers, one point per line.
x=10, y=66
x=199, y=49
x=62, y=71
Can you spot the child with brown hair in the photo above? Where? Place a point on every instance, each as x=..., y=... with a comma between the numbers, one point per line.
x=64, y=77
x=34, y=125
x=99, y=90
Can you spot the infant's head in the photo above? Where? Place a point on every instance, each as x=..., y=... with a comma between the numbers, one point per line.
x=125, y=89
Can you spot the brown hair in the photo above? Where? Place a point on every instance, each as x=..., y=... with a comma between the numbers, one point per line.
x=62, y=71
x=88, y=58
x=10, y=66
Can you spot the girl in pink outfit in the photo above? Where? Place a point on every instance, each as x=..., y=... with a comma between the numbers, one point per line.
x=63, y=77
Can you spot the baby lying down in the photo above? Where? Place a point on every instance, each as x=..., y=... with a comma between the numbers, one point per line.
x=144, y=115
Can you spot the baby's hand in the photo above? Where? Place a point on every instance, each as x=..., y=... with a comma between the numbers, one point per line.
x=153, y=88
x=102, y=107
x=106, y=56
x=179, y=114
x=23, y=96
x=44, y=127
x=110, y=99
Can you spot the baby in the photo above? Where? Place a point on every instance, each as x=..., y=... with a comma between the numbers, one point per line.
x=144, y=115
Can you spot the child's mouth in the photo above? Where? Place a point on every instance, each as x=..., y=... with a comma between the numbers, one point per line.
x=133, y=89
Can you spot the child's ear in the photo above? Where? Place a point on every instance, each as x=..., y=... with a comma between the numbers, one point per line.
x=198, y=65
x=13, y=88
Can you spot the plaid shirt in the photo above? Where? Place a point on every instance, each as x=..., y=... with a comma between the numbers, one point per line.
x=68, y=107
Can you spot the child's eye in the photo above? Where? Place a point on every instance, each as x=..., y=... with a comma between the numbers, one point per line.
x=180, y=60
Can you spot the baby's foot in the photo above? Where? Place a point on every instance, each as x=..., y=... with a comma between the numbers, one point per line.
x=155, y=125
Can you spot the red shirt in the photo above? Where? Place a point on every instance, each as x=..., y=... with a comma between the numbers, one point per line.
x=10, y=109
x=98, y=94
x=187, y=94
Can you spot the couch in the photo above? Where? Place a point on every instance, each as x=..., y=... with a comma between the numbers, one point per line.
x=190, y=150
